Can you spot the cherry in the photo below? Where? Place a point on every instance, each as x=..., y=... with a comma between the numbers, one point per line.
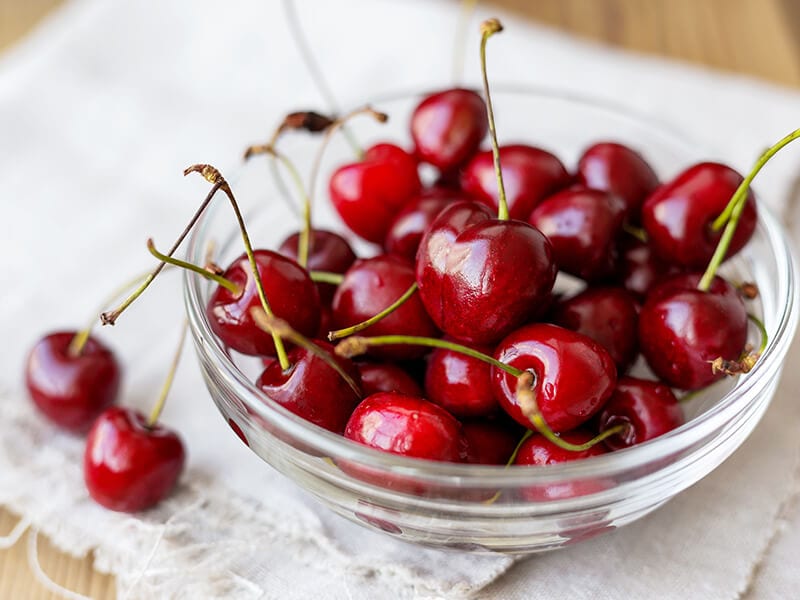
x=530, y=175
x=369, y=194
x=682, y=329
x=583, y=226
x=638, y=267
x=481, y=277
x=678, y=216
x=573, y=375
x=288, y=288
x=650, y=409
x=311, y=389
x=460, y=384
x=386, y=377
x=489, y=442
x=328, y=251
x=619, y=170
x=447, y=127
x=609, y=316
x=406, y=425
x=372, y=284
x=130, y=465
x=71, y=388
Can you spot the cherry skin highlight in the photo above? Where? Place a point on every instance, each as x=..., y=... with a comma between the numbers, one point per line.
x=638, y=267
x=459, y=383
x=327, y=251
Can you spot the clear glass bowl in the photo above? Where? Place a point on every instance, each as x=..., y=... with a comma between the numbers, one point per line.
x=487, y=508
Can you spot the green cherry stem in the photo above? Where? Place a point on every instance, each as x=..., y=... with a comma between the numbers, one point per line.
x=511, y=459
x=279, y=327
x=638, y=232
x=762, y=330
x=488, y=29
x=348, y=331
x=734, y=209
x=212, y=175
x=218, y=279
x=748, y=358
x=162, y=398
x=326, y=277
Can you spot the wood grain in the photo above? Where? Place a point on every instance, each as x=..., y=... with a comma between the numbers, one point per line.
x=756, y=37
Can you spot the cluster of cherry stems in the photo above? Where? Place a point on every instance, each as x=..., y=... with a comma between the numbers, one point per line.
x=460, y=303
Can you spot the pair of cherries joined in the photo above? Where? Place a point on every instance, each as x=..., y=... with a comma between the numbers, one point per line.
x=452, y=344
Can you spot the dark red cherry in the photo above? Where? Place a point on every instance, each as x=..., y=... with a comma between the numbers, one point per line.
x=480, y=277
x=681, y=329
x=618, y=169
x=128, y=465
x=291, y=294
x=530, y=175
x=370, y=286
x=69, y=390
x=679, y=214
x=368, y=194
x=648, y=408
x=573, y=374
x=638, y=267
x=459, y=383
x=583, y=226
x=386, y=377
x=327, y=251
x=311, y=389
x=609, y=316
x=489, y=442
x=447, y=127
x=408, y=426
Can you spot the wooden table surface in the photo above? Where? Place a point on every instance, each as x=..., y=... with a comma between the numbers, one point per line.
x=757, y=37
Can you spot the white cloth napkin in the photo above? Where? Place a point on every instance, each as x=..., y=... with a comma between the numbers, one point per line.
x=100, y=110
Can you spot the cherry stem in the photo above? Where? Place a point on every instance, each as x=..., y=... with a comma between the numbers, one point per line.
x=734, y=209
x=638, y=232
x=109, y=318
x=762, y=330
x=356, y=345
x=528, y=433
x=212, y=175
x=279, y=327
x=488, y=29
x=748, y=358
x=526, y=398
x=460, y=40
x=162, y=398
x=348, y=331
x=219, y=279
x=326, y=277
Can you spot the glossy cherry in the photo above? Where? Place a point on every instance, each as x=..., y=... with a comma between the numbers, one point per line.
x=387, y=377
x=128, y=465
x=682, y=329
x=368, y=194
x=373, y=284
x=71, y=391
x=620, y=170
x=459, y=383
x=489, y=442
x=289, y=289
x=649, y=408
x=638, y=267
x=447, y=127
x=327, y=251
x=573, y=374
x=583, y=226
x=313, y=390
x=530, y=175
x=480, y=277
x=609, y=316
x=678, y=216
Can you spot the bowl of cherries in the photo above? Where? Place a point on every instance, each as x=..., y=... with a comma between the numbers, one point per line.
x=495, y=347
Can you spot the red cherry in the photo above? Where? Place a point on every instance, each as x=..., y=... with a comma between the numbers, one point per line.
x=573, y=374
x=386, y=377
x=459, y=383
x=69, y=390
x=311, y=389
x=128, y=465
x=369, y=286
x=327, y=251
x=447, y=127
x=583, y=226
x=681, y=329
x=638, y=267
x=481, y=277
x=617, y=169
x=489, y=442
x=607, y=315
x=368, y=194
x=408, y=426
x=679, y=214
x=529, y=174
x=290, y=292
x=650, y=409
